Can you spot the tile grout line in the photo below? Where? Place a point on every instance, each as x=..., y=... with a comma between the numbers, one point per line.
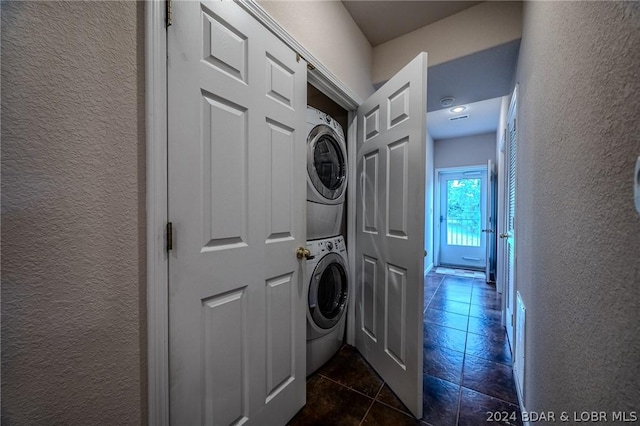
x=372, y=402
x=389, y=406
x=464, y=358
x=490, y=396
x=432, y=296
x=346, y=387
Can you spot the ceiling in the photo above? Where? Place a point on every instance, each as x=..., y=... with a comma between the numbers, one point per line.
x=381, y=21
x=482, y=118
x=471, y=80
x=475, y=81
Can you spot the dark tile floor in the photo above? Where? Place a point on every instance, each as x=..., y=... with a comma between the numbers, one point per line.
x=467, y=368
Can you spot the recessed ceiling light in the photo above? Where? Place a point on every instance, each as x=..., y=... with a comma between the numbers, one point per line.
x=458, y=109
x=447, y=101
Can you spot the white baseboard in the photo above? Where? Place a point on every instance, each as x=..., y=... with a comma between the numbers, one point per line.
x=428, y=268
x=520, y=400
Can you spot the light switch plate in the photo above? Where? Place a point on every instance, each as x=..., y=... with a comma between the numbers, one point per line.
x=636, y=185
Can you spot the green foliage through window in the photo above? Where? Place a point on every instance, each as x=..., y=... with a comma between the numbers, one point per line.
x=464, y=211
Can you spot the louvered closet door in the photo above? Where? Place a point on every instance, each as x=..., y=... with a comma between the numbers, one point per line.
x=509, y=236
x=237, y=101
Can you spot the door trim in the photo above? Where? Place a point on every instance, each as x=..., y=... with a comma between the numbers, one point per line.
x=437, y=200
x=156, y=198
x=156, y=184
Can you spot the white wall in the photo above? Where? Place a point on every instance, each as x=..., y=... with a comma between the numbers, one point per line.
x=488, y=24
x=466, y=151
x=73, y=214
x=326, y=29
x=428, y=208
x=578, y=234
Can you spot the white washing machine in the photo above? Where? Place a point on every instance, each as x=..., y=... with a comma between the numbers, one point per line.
x=326, y=175
x=328, y=295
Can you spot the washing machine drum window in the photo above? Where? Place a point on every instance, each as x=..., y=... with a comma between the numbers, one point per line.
x=326, y=163
x=328, y=291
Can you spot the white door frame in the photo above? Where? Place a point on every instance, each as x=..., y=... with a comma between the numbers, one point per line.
x=156, y=186
x=157, y=202
x=436, y=204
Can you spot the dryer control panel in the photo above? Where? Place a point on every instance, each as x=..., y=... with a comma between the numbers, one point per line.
x=317, y=116
x=327, y=245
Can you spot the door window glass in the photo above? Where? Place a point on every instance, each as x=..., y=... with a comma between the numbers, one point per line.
x=464, y=223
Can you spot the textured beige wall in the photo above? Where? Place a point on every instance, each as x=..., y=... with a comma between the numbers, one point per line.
x=578, y=234
x=73, y=214
x=326, y=29
x=480, y=27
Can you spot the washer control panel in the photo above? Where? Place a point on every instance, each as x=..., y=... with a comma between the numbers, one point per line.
x=316, y=116
x=328, y=245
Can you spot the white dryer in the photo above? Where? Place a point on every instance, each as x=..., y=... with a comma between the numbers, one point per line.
x=328, y=294
x=326, y=175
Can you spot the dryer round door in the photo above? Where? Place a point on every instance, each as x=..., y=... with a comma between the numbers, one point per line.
x=326, y=161
x=328, y=291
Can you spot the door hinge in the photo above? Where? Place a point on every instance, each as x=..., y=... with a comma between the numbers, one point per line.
x=169, y=11
x=169, y=236
x=300, y=58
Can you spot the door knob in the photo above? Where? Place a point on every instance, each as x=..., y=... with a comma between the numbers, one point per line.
x=303, y=253
x=504, y=235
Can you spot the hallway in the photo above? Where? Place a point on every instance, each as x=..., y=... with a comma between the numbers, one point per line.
x=467, y=367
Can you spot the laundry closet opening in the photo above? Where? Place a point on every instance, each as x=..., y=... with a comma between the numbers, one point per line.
x=328, y=282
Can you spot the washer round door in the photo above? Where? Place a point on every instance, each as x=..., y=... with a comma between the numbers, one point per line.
x=326, y=161
x=328, y=291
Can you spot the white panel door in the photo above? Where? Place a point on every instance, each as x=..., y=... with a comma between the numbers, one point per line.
x=236, y=155
x=508, y=236
x=391, y=157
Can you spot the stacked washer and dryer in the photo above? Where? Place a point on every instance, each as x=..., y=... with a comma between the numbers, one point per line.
x=327, y=271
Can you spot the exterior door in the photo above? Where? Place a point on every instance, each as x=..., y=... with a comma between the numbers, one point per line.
x=390, y=160
x=236, y=156
x=508, y=236
x=463, y=212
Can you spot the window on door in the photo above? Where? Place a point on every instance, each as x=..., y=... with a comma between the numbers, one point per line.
x=464, y=217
